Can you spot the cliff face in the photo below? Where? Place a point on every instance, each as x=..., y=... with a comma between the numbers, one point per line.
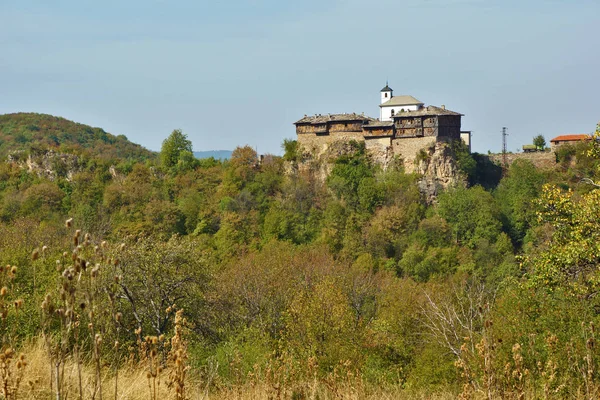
x=439, y=171
x=435, y=164
x=47, y=164
x=318, y=161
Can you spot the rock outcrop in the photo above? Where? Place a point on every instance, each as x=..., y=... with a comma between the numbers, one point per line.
x=435, y=164
x=438, y=170
x=47, y=164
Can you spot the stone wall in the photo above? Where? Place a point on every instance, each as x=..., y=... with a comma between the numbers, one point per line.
x=318, y=144
x=541, y=159
x=408, y=148
x=380, y=150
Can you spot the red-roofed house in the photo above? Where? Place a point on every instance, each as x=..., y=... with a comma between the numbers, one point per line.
x=568, y=139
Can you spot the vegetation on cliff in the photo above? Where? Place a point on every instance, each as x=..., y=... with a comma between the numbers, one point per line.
x=232, y=276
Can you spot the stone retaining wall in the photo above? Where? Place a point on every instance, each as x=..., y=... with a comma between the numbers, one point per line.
x=541, y=159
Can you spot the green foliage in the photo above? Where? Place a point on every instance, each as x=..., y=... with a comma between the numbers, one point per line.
x=565, y=153
x=539, y=142
x=471, y=213
x=24, y=131
x=290, y=149
x=347, y=175
x=176, y=149
x=466, y=163
x=573, y=253
x=487, y=174
x=515, y=195
x=281, y=273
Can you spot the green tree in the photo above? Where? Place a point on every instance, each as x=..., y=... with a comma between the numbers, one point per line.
x=515, y=194
x=290, y=148
x=539, y=142
x=570, y=260
x=173, y=147
x=471, y=213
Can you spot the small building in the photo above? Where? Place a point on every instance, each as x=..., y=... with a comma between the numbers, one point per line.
x=569, y=139
x=392, y=105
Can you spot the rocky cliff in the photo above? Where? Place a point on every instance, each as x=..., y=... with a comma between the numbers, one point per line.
x=47, y=164
x=439, y=171
x=435, y=164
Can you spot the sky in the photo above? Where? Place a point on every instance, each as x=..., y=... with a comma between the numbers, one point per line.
x=236, y=73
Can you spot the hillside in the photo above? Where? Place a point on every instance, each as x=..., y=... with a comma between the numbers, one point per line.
x=24, y=131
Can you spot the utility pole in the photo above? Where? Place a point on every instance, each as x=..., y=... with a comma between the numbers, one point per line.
x=504, y=157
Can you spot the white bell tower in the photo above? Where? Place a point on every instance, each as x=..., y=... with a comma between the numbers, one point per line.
x=386, y=94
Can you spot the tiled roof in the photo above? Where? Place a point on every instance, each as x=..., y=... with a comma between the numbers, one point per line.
x=404, y=100
x=571, y=138
x=321, y=119
x=424, y=111
x=386, y=89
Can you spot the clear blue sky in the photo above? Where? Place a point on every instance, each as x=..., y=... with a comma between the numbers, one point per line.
x=241, y=72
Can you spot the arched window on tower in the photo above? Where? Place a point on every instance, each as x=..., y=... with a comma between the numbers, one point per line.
x=385, y=94
x=392, y=112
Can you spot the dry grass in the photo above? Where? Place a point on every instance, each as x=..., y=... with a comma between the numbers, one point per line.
x=134, y=385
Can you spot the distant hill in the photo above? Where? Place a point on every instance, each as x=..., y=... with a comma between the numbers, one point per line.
x=217, y=154
x=26, y=131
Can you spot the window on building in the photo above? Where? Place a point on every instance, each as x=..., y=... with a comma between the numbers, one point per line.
x=385, y=95
x=392, y=112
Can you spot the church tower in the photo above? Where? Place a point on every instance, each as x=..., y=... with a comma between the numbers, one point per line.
x=386, y=94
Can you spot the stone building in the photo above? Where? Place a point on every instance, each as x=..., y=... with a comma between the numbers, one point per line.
x=405, y=128
x=568, y=139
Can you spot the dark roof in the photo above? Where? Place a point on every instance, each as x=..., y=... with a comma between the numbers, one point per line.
x=424, y=111
x=571, y=138
x=378, y=124
x=386, y=88
x=321, y=119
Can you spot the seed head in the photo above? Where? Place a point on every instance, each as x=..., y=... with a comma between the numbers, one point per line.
x=35, y=255
x=69, y=222
x=3, y=291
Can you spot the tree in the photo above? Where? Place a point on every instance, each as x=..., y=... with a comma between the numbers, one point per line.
x=173, y=147
x=515, y=194
x=539, y=142
x=471, y=213
x=571, y=257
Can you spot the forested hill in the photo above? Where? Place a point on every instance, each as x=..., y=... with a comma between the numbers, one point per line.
x=26, y=131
